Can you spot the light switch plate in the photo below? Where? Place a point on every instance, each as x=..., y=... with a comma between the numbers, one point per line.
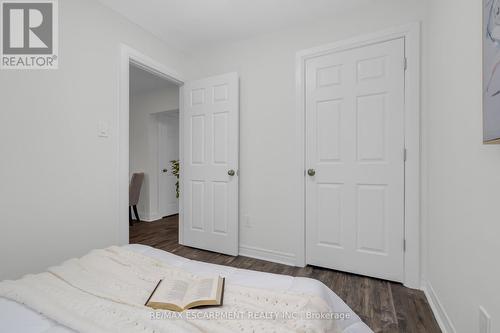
x=103, y=130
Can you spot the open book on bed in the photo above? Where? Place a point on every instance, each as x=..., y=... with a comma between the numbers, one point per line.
x=180, y=295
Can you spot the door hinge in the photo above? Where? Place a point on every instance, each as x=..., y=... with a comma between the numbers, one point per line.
x=405, y=154
x=405, y=63
x=404, y=245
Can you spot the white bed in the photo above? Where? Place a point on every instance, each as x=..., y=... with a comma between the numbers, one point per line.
x=15, y=317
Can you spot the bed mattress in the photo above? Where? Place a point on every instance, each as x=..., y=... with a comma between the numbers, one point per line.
x=15, y=317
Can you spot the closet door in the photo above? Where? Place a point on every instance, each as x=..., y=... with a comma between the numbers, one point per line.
x=355, y=160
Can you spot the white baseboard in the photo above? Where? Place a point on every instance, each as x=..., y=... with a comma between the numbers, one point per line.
x=146, y=217
x=268, y=255
x=442, y=317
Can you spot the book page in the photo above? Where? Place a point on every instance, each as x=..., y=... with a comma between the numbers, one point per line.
x=201, y=290
x=171, y=291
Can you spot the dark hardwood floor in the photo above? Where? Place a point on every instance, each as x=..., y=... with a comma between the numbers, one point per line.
x=382, y=305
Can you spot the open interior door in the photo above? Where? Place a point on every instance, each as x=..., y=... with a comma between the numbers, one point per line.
x=210, y=144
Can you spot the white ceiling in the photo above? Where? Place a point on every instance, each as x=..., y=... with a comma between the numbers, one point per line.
x=142, y=81
x=198, y=23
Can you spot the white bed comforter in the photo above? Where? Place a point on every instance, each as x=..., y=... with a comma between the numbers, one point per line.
x=105, y=291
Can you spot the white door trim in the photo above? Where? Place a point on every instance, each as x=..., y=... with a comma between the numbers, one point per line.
x=129, y=56
x=411, y=33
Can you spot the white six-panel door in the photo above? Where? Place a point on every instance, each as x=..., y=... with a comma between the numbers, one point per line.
x=210, y=163
x=355, y=153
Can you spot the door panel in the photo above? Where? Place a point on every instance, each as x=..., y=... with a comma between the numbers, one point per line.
x=329, y=207
x=220, y=143
x=220, y=207
x=211, y=141
x=355, y=144
x=371, y=217
x=328, y=130
x=371, y=128
x=197, y=207
x=197, y=139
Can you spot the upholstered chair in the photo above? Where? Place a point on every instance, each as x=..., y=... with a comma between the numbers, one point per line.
x=134, y=194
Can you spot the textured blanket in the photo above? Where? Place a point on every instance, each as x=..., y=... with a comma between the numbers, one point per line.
x=105, y=291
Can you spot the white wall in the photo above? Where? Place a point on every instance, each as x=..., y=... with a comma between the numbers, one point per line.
x=268, y=155
x=463, y=185
x=144, y=108
x=59, y=189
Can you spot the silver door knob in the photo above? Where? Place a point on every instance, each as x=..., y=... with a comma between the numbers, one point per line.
x=231, y=172
x=311, y=172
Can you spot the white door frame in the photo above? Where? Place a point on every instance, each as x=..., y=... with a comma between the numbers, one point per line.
x=129, y=56
x=411, y=33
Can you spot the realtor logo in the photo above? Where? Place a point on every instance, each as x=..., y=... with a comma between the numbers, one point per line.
x=29, y=34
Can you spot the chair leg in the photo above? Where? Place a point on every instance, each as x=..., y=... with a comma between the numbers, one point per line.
x=136, y=213
x=130, y=221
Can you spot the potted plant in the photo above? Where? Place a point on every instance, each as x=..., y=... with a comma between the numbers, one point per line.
x=175, y=171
